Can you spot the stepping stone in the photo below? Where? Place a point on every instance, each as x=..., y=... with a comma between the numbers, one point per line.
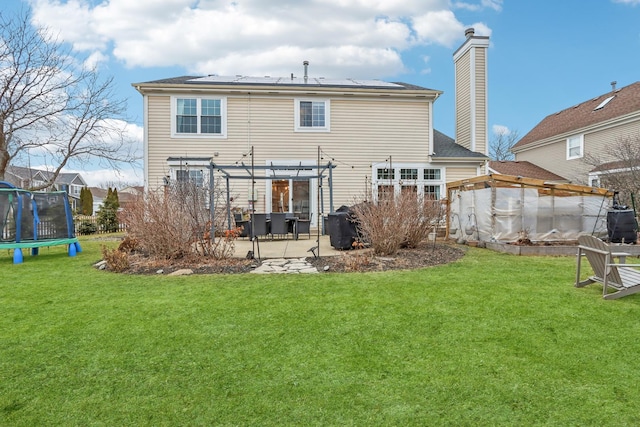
x=181, y=272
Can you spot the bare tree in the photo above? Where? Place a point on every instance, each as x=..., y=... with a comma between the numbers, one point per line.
x=117, y=184
x=53, y=109
x=501, y=143
x=619, y=167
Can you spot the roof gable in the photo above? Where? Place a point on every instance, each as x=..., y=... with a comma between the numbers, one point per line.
x=65, y=178
x=20, y=172
x=620, y=103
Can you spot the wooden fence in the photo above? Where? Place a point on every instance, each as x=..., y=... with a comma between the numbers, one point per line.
x=80, y=220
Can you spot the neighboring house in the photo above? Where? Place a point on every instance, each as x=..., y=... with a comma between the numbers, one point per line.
x=564, y=141
x=526, y=170
x=128, y=194
x=98, y=195
x=125, y=196
x=378, y=135
x=26, y=178
x=20, y=177
x=136, y=190
x=72, y=183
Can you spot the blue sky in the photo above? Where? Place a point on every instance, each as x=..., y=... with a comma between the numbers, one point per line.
x=545, y=55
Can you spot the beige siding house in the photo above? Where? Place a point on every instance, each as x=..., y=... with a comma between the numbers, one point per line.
x=565, y=142
x=374, y=135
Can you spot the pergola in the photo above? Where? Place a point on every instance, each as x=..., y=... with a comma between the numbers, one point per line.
x=243, y=171
x=506, y=208
x=248, y=172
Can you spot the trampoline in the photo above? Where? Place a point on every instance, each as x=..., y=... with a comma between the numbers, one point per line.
x=31, y=220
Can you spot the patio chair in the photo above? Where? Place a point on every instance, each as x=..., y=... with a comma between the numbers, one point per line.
x=242, y=223
x=620, y=277
x=246, y=228
x=304, y=226
x=279, y=224
x=259, y=225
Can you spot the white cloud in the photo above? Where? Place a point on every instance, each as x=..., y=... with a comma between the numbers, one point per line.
x=362, y=38
x=95, y=59
x=500, y=130
x=103, y=177
x=73, y=22
x=426, y=70
x=440, y=27
x=484, y=4
x=481, y=29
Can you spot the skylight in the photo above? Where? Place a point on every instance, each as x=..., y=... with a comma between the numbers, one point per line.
x=603, y=103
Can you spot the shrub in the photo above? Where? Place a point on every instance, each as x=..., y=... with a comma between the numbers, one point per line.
x=357, y=262
x=224, y=246
x=395, y=222
x=108, y=213
x=87, y=227
x=176, y=223
x=108, y=220
x=116, y=259
x=420, y=218
x=158, y=225
x=129, y=244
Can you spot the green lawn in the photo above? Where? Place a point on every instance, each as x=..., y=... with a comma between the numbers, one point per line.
x=492, y=339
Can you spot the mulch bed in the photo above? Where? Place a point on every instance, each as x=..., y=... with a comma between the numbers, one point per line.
x=357, y=260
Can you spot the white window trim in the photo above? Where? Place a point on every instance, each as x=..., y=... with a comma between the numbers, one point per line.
x=223, y=111
x=581, y=140
x=187, y=164
x=327, y=115
x=594, y=179
x=398, y=182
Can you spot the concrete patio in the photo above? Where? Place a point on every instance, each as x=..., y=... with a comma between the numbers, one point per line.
x=285, y=248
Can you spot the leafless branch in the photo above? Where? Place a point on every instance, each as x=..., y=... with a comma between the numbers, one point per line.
x=501, y=143
x=53, y=109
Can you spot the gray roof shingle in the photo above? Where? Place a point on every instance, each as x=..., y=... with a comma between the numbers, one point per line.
x=446, y=147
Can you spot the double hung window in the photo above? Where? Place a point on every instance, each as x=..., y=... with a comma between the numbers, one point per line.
x=432, y=179
x=432, y=175
x=575, y=147
x=432, y=192
x=193, y=176
x=199, y=117
x=411, y=174
x=385, y=173
x=312, y=115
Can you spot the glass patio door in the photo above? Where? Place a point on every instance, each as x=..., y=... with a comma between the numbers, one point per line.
x=301, y=199
x=280, y=195
x=288, y=195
